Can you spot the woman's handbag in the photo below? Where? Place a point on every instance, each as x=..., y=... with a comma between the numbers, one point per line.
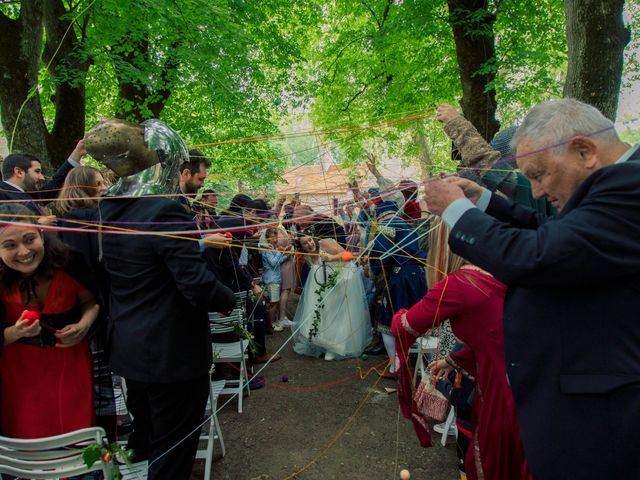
x=430, y=401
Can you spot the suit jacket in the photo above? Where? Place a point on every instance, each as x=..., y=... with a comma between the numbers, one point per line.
x=399, y=237
x=49, y=191
x=160, y=293
x=84, y=265
x=571, y=330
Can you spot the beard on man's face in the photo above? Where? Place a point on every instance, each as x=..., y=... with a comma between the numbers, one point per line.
x=192, y=186
x=31, y=184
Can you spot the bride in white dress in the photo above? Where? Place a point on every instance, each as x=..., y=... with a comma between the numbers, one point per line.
x=332, y=315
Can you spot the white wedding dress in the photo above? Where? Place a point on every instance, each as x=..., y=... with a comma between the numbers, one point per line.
x=344, y=328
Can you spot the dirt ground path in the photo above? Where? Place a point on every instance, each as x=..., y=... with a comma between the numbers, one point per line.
x=349, y=430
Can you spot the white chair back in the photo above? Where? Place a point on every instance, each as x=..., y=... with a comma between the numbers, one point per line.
x=222, y=324
x=54, y=457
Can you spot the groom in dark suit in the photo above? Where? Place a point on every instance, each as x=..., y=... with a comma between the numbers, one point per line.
x=572, y=337
x=158, y=334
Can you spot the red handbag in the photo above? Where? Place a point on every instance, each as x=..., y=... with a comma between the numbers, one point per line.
x=430, y=401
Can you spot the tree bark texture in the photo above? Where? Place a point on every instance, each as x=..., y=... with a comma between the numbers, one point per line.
x=472, y=26
x=596, y=38
x=137, y=101
x=21, y=53
x=20, y=46
x=70, y=97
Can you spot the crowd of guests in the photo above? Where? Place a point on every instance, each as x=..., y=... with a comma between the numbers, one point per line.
x=525, y=272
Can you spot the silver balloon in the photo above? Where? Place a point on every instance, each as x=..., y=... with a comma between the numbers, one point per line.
x=147, y=157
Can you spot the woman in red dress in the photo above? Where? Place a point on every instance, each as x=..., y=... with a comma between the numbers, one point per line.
x=45, y=365
x=472, y=300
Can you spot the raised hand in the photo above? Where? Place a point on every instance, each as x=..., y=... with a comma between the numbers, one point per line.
x=439, y=194
x=445, y=113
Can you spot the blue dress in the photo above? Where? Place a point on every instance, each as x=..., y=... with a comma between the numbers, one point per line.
x=396, y=255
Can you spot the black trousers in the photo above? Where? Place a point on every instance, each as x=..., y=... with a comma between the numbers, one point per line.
x=257, y=326
x=164, y=419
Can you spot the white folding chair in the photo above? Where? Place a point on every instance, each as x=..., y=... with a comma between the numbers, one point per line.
x=120, y=392
x=54, y=457
x=241, y=300
x=241, y=305
x=231, y=352
x=213, y=432
x=135, y=471
x=423, y=346
x=447, y=426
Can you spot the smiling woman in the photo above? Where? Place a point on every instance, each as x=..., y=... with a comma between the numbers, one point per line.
x=21, y=250
x=45, y=366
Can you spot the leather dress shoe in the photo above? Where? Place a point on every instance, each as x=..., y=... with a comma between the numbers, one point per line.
x=256, y=382
x=267, y=357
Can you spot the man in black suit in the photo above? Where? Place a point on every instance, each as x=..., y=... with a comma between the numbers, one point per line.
x=160, y=292
x=572, y=340
x=23, y=178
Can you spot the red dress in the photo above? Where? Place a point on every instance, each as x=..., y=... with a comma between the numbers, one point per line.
x=45, y=391
x=472, y=300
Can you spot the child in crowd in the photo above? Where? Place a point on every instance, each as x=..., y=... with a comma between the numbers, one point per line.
x=272, y=278
x=287, y=274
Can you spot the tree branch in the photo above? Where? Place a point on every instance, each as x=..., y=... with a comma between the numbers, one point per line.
x=339, y=54
x=167, y=80
x=361, y=91
x=84, y=26
x=5, y=22
x=373, y=14
x=385, y=14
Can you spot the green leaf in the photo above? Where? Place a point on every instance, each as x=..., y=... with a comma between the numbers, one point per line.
x=91, y=454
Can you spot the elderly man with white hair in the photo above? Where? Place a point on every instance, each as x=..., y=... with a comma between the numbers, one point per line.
x=572, y=336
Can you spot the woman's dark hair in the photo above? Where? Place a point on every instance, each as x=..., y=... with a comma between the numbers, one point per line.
x=56, y=253
x=260, y=205
x=196, y=158
x=298, y=244
x=238, y=202
x=271, y=232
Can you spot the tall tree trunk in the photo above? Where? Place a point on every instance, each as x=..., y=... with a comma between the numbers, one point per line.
x=70, y=95
x=20, y=45
x=136, y=100
x=596, y=38
x=132, y=93
x=424, y=154
x=20, y=56
x=472, y=26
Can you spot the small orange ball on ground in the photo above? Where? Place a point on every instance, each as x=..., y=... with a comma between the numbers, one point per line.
x=405, y=475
